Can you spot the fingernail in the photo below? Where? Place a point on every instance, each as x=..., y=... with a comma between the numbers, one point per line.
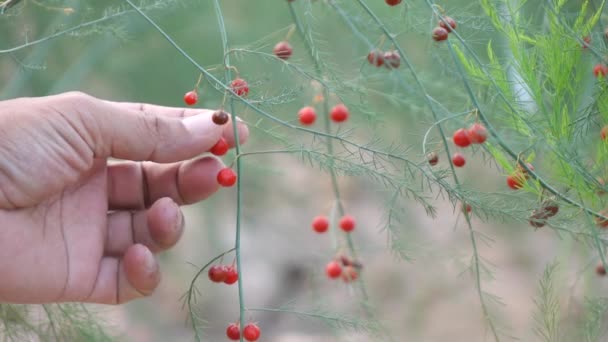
x=198, y=124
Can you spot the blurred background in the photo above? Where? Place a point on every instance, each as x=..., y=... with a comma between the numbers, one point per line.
x=431, y=296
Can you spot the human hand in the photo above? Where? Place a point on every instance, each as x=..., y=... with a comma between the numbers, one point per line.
x=74, y=227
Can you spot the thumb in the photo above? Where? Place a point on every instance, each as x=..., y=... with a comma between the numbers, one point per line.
x=131, y=134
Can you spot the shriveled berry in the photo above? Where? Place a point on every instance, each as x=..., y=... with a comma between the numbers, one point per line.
x=350, y=274
x=392, y=60
x=233, y=332
x=466, y=207
x=375, y=57
x=392, y=2
x=251, y=332
x=347, y=223
x=320, y=224
x=538, y=219
x=477, y=133
x=283, y=50
x=600, y=270
x=307, y=115
x=232, y=276
x=440, y=34
x=220, y=148
x=226, y=177
x=458, y=160
x=217, y=273
x=451, y=22
x=461, y=138
x=601, y=222
x=586, y=42
x=346, y=261
x=600, y=70
x=333, y=269
x=524, y=173
x=515, y=181
x=432, y=158
x=339, y=113
x=240, y=87
x=220, y=117
x=191, y=98
x=550, y=208
x=604, y=133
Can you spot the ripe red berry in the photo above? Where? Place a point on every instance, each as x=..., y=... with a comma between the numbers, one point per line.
x=440, y=34
x=392, y=2
x=477, y=133
x=339, y=113
x=240, y=87
x=515, y=181
x=251, y=332
x=458, y=159
x=220, y=117
x=349, y=274
x=375, y=57
x=600, y=270
x=191, y=98
x=226, y=177
x=283, y=50
x=600, y=70
x=347, y=223
x=451, y=22
x=233, y=332
x=604, y=133
x=320, y=224
x=307, y=115
x=392, y=59
x=220, y=148
x=333, y=269
x=217, y=273
x=461, y=138
x=433, y=158
x=231, y=275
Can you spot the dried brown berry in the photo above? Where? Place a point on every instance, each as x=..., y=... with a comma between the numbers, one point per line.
x=220, y=117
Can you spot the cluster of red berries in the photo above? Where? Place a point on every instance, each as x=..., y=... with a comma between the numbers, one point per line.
x=320, y=224
x=476, y=134
x=517, y=179
x=343, y=267
x=390, y=59
x=283, y=50
x=441, y=32
x=548, y=209
x=223, y=274
x=307, y=115
x=250, y=333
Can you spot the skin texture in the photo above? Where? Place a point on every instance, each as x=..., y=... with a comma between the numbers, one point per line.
x=77, y=227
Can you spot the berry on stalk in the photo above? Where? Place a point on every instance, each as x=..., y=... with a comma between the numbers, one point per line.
x=375, y=57
x=392, y=2
x=217, y=273
x=347, y=223
x=450, y=21
x=333, y=269
x=251, y=332
x=600, y=70
x=339, y=113
x=440, y=34
x=432, y=158
x=392, y=60
x=461, y=138
x=191, y=98
x=220, y=148
x=240, y=87
x=220, y=117
x=515, y=181
x=226, y=177
x=320, y=224
x=232, y=276
x=458, y=160
x=283, y=50
x=478, y=133
x=307, y=115
x=233, y=332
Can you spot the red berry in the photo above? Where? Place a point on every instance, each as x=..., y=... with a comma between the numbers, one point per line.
x=586, y=42
x=600, y=70
x=339, y=113
x=283, y=50
x=466, y=207
x=220, y=117
x=233, y=332
x=392, y=2
x=458, y=159
x=190, y=98
x=392, y=59
x=375, y=57
x=220, y=148
x=320, y=224
x=307, y=115
x=604, y=133
x=240, y=87
x=350, y=274
x=440, y=34
x=217, y=273
x=477, y=133
x=600, y=270
x=347, y=223
x=333, y=269
x=461, y=138
x=433, y=158
x=226, y=177
x=451, y=22
x=251, y=332
x=515, y=181
x=231, y=275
